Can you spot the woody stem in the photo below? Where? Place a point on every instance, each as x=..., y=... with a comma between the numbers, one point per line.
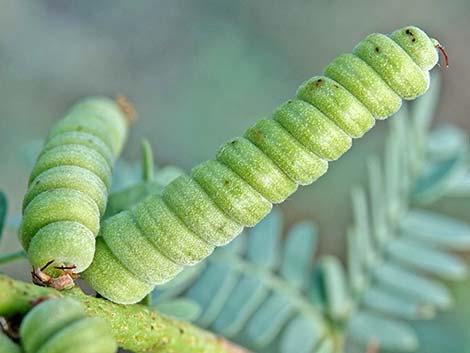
x=135, y=327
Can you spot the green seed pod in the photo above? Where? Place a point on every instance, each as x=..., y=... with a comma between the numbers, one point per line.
x=61, y=325
x=81, y=138
x=7, y=345
x=68, y=186
x=212, y=205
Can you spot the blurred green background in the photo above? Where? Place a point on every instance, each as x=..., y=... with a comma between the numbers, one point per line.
x=200, y=72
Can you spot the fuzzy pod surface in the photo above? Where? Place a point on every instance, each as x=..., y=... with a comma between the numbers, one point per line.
x=150, y=243
x=68, y=186
x=61, y=326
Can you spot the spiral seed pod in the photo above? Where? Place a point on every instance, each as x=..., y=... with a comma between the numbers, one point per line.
x=68, y=187
x=149, y=244
x=7, y=345
x=61, y=326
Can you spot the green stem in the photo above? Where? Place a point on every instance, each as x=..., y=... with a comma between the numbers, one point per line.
x=4, y=259
x=147, y=161
x=135, y=327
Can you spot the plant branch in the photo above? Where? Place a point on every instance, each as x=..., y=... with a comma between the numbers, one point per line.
x=135, y=327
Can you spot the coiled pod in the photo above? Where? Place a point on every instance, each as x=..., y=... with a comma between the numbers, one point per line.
x=61, y=326
x=68, y=187
x=150, y=243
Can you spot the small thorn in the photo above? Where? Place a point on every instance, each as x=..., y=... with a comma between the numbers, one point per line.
x=444, y=53
x=47, y=265
x=73, y=267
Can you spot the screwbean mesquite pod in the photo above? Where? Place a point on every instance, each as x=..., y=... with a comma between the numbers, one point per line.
x=69, y=183
x=150, y=243
x=61, y=326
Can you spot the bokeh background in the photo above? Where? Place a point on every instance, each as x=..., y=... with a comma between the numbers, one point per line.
x=200, y=72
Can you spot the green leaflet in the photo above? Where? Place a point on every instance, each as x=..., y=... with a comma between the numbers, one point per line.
x=183, y=309
x=461, y=184
x=325, y=346
x=391, y=303
x=437, y=178
x=423, y=112
x=299, y=246
x=377, y=202
x=242, y=302
x=357, y=276
x=264, y=241
x=366, y=251
x=177, y=285
x=394, y=172
x=300, y=337
x=445, y=141
x=334, y=288
x=269, y=319
x=427, y=259
x=447, y=157
x=409, y=283
x=264, y=166
x=437, y=229
x=211, y=291
x=390, y=334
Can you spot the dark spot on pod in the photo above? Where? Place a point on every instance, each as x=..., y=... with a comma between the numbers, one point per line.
x=258, y=135
x=411, y=34
x=317, y=83
x=222, y=228
x=233, y=142
x=335, y=85
x=181, y=330
x=226, y=182
x=377, y=49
